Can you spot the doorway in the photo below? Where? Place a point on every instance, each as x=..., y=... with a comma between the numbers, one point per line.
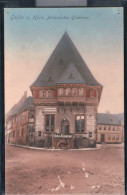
x=102, y=137
x=65, y=127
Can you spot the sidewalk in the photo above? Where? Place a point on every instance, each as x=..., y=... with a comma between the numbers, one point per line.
x=98, y=147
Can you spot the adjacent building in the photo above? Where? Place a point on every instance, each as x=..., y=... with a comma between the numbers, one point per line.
x=110, y=128
x=20, y=122
x=66, y=97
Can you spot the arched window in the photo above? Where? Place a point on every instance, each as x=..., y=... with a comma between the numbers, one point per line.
x=74, y=91
x=48, y=93
x=60, y=91
x=42, y=94
x=80, y=123
x=68, y=91
x=80, y=91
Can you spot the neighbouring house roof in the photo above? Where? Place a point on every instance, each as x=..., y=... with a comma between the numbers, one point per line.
x=28, y=102
x=64, y=58
x=11, y=111
x=109, y=119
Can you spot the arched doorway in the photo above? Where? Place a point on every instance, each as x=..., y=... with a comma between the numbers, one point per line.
x=65, y=127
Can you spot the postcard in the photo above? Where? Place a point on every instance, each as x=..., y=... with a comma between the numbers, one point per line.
x=64, y=100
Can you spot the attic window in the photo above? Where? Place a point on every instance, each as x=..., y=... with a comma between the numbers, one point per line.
x=50, y=79
x=71, y=76
x=61, y=62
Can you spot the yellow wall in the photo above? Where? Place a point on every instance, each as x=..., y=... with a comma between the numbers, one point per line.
x=114, y=131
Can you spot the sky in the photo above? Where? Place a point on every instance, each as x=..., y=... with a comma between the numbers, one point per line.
x=31, y=34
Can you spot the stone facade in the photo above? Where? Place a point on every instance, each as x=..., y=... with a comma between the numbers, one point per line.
x=64, y=114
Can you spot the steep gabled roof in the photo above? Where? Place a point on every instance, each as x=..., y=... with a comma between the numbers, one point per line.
x=71, y=75
x=108, y=119
x=63, y=55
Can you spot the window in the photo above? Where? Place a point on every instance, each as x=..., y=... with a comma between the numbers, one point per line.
x=61, y=91
x=117, y=128
x=109, y=128
x=48, y=93
x=109, y=137
x=39, y=133
x=80, y=91
x=13, y=120
x=113, y=137
x=50, y=123
x=74, y=91
x=88, y=93
x=117, y=137
x=90, y=134
x=80, y=123
x=31, y=133
x=93, y=93
x=61, y=62
x=13, y=133
x=42, y=94
x=31, y=114
x=100, y=127
x=68, y=91
x=104, y=127
x=113, y=128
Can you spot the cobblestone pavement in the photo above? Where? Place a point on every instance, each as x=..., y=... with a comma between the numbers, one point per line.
x=65, y=172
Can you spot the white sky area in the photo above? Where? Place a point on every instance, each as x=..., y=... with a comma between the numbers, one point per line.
x=32, y=34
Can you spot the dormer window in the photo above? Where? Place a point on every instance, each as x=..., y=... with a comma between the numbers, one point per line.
x=60, y=91
x=74, y=91
x=61, y=62
x=80, y=91
x=68, y=91
x=42, y=93
x=48, y=93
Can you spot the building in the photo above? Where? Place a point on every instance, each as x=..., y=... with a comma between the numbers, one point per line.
x=110, y=128
x=66, y=97
x=20, y=122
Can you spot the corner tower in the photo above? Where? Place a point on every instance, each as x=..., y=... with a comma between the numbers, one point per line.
x=66, y=96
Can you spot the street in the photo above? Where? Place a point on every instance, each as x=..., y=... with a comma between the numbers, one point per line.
x=65, y=171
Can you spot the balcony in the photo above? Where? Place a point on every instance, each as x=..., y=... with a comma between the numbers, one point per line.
x=71, y=99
